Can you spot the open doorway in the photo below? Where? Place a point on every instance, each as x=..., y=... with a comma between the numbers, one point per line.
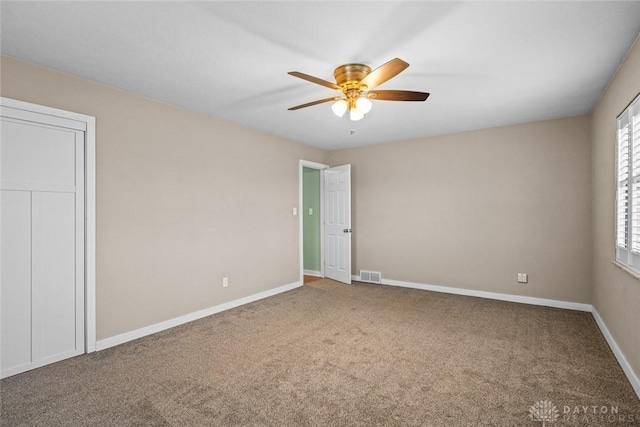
x=311, y=236
x=325, y=221
x=311, y=221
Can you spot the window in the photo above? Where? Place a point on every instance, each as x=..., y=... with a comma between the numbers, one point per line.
x=628, y=191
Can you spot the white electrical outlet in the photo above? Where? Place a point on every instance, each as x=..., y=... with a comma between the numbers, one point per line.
x=522, y=278
x=225, y=282
x=295, y=211
x=310, y=211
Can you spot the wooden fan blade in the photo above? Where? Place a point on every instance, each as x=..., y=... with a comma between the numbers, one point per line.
x=397, y=95
x=315, y=80
x=384, y=73
x=309, y=104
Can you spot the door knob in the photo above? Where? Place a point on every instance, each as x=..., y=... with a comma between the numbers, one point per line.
x=346, y=230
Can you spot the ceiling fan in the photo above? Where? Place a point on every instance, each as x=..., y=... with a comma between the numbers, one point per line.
x=354, y=82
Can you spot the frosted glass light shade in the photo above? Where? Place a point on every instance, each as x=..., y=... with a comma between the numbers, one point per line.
x=363, y=105
x=355, y=115
x=340, y=107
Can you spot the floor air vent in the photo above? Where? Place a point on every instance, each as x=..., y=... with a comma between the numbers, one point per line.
x=370, y=276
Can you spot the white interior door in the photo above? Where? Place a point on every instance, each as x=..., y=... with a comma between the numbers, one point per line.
x=42, y=230
x=337, y=227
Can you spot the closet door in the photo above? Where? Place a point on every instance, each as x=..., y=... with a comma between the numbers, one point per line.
x=42, y=231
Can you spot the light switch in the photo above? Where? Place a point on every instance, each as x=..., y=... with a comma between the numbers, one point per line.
x=295, y=211
x=310, y=211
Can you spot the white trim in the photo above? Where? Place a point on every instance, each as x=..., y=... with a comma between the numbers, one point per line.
x=90, y=234
x=41, y=109
x=27, y=186
x=318, y=166
x=313, y=165
x=617, y=352
x=152, y=329
x=40, y=363
x=626, y=269
x=489, y=295
x=312, y=273
x=42, y=120
x=88, y=124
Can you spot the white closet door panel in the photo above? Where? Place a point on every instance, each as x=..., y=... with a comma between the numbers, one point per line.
x=15, y=293
x=55, y=290
x=38, y=154
x=43, y=231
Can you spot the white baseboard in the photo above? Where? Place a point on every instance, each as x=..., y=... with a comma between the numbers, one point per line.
x=489, y=295
x=626, y=367
x=312, y=273
x=152, y=329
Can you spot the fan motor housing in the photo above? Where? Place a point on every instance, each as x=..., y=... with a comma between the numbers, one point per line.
x=349, y=75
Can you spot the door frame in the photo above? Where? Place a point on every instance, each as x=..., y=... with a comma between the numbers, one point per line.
x=320, y=167
x=89, y=207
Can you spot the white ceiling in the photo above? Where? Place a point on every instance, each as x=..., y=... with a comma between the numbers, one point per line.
x=485, y=63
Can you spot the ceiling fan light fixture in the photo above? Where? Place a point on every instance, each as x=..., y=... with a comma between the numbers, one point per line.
x=355, y=115
x=340, y=107
x=363, y=104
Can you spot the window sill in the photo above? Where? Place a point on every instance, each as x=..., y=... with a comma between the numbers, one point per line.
x=623, y=267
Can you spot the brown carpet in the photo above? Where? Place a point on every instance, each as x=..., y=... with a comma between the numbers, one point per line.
x=329, y=354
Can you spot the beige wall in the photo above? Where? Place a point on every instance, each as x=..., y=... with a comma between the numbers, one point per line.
x=183, y=199
x=616, y=292
x=473, y=209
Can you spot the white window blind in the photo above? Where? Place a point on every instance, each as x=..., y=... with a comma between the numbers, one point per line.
x=628, y=191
